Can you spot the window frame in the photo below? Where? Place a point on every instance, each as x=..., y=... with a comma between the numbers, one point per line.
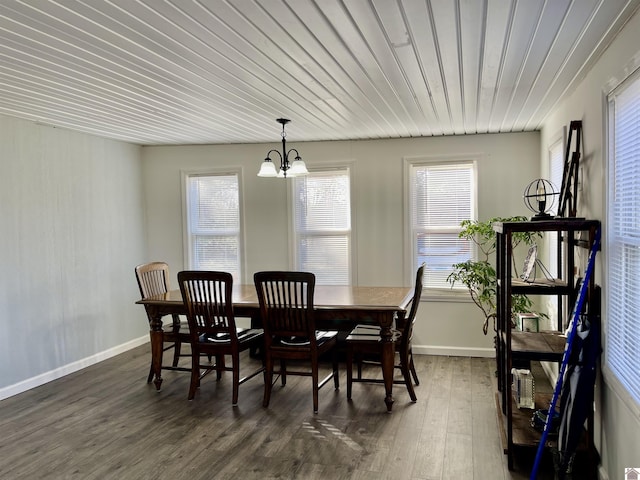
x=457, y=293
x=349, y=166
x=187, y=246
x=551, y=238
x=631, y=75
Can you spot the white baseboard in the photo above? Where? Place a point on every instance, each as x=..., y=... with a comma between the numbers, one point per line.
x=59, y=372
x=453, y=351
x=602, y=474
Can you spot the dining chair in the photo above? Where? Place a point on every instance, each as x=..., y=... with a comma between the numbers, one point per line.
x=288, y=318
x=153, y=279
x=212, y=325
x=365, y=346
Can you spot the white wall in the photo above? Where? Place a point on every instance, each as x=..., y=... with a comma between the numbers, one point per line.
x=72, y=231
x=508, y=163
x=618, y=428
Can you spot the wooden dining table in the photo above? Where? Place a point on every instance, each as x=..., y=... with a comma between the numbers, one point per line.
x=337, y=308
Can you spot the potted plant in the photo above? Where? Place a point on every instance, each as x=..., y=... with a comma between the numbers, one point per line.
x=479, y=276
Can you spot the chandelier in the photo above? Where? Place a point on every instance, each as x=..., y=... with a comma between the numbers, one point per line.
x=296, y=168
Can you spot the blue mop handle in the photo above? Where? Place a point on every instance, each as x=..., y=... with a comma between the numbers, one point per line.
x=567, y=352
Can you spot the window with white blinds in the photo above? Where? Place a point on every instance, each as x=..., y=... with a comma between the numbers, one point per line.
x=556, y=167
x=213, y=223
x=442, y=194
x=322, y=225
x=622, y=347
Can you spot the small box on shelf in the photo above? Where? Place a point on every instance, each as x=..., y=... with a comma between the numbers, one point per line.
x=523, y=388
x=527, y=322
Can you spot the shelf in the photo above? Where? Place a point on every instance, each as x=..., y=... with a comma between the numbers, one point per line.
x=556, y=224
x=523, y=434
x=533, y=347
x=545, y=346
x=541, y=287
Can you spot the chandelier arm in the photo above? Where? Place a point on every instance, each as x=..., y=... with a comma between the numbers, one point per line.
x=276, y=151
x=297, y=154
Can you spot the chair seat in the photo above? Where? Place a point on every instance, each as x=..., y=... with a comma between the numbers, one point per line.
x=244, y=335
x=298, y=347
x=321, y=337
x=182, y=329
x=371, y=334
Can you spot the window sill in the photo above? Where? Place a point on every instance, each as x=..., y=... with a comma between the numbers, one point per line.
x=445, y=295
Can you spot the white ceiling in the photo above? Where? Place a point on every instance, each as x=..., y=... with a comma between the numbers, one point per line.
x=221, y=71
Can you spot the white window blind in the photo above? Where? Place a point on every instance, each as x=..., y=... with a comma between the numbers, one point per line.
x=622, y=349
x=556, y=167
x=322, y=225
x=213, y=204
x=441, y=195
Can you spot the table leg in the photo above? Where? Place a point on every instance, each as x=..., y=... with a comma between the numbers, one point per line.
x=157, y=340
x=388, y=354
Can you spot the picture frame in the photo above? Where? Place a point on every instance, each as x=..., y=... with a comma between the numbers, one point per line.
x=529, y=263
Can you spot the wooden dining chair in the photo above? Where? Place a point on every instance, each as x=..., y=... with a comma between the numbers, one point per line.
x=288, y=318
x=365, y=346
x=213, y=332
x=153, y=279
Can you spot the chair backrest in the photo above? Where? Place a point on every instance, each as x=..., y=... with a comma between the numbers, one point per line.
x=407, y=332
x=153, y=278
x=286, y=303
x=208, y=298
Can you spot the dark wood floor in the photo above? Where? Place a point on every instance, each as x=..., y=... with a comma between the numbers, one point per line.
x=106, y=422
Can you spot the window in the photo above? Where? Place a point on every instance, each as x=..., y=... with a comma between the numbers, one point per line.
x=622, y=348
x=322, y=225
x=213, y=223
x=441, y=195
x=556, y=167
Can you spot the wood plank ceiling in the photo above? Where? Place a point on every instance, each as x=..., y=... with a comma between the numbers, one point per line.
x=158, y=72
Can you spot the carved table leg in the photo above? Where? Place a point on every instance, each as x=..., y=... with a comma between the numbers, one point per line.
x=156, y=333
x=388, y=353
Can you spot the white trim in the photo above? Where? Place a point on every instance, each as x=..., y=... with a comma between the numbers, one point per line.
x=602, y=473
x=620, y=390
x=452, y=351
x=59, y=372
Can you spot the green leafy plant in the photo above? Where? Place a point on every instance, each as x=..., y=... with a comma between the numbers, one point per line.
x=479, y=276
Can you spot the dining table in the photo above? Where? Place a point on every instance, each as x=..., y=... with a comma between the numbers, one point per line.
x=337, y=307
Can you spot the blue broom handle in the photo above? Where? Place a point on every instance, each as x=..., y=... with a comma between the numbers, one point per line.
x=567, y=352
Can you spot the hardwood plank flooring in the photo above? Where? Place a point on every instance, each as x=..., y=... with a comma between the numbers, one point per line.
x=106, y=422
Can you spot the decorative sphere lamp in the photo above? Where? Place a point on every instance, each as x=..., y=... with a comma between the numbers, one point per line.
x=540, y=197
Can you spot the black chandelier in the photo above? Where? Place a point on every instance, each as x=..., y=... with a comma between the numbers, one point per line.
x=296, y=168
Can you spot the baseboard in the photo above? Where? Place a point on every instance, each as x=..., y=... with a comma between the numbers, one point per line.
x=59, y=372
x=602, y=474
x=46, y=377
x=453, y=351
